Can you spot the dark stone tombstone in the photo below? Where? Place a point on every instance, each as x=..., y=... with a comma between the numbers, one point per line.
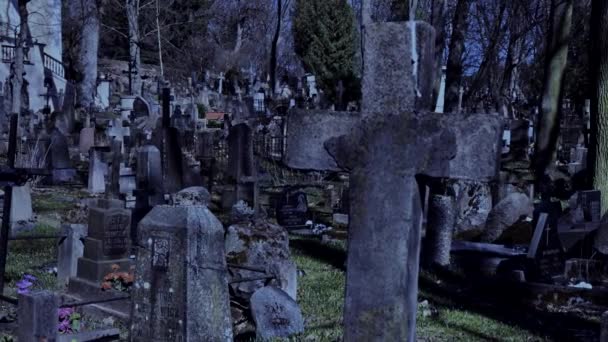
x=549, y=257
x=519, y=139
x=59, y=158
x=292, y=209
x=242, y=168
x=108, y=243
x=591, y=202
x=171, y=156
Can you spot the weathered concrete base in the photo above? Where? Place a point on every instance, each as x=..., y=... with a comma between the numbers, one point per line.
x=80, y=289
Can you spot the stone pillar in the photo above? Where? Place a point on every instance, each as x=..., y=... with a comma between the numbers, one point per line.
x=440, y=227
x=98, y=170
x=149, y=172
x=71, y=248
x=242, y=165
x=181, y=286
x=37, y=312
x=21, y=210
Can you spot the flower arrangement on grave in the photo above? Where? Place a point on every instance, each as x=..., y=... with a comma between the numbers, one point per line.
x=69, y=321
x=25, y=283
x=117, y=280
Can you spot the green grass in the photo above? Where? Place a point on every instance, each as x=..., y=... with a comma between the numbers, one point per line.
x=49, y=202
x=321, y=298
x=31, y=257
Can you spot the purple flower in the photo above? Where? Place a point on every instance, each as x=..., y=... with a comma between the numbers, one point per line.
x=29, y=277
x=65, y=313
x=64, y=326
x=23, y=286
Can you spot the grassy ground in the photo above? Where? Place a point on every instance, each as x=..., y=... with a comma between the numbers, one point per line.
x=320, y=288
x=321, y=297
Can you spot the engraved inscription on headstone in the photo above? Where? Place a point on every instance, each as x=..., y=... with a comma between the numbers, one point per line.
x=116, y=235
x=160, y=253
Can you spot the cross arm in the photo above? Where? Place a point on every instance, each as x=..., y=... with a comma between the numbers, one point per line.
x=18, y=176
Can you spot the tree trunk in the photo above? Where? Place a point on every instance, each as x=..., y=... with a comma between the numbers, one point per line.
x=557, y=57
x=134, y=45
x=438, y=17
x=274, y=48
x=454, y=66
x=87, y=15
x=512, y=61
x=18, y=68
x=489, y=59
x=598, y=156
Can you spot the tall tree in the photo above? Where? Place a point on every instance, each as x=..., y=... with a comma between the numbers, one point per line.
x=18, y=67
x=557, y=57
x=439, y=9
x=84, y=18
x=282, y=6
x=599, y=99
x=454, y=66
x=324, y=37
x=491, y=54
x=132, y=7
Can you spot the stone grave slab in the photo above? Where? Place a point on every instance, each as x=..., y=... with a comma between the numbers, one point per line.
x=275, y=314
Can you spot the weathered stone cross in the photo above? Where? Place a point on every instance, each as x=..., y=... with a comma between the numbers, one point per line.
x=385, y=149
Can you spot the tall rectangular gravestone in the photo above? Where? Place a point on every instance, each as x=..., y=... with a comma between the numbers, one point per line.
x=98, y=170
x=181, y=280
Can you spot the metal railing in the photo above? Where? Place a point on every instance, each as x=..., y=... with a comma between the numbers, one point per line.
x=54, y=65
x=8, y=54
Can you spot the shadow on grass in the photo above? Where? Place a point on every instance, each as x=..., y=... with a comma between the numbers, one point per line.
x=325, y=253
x=505, y=302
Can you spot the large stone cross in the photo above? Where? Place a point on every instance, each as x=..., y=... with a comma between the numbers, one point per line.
x=385, y=149
x=384, y=156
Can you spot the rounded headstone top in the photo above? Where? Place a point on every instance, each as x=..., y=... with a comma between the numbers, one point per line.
x=181, y=217
x=192, y=196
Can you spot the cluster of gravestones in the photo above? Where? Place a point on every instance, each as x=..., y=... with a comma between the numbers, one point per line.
x=182, y=285
x=395, y=154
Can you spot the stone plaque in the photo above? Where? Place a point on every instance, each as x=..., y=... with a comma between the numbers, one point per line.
x=292, y=209
x=160, y=253
x=116, y=234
